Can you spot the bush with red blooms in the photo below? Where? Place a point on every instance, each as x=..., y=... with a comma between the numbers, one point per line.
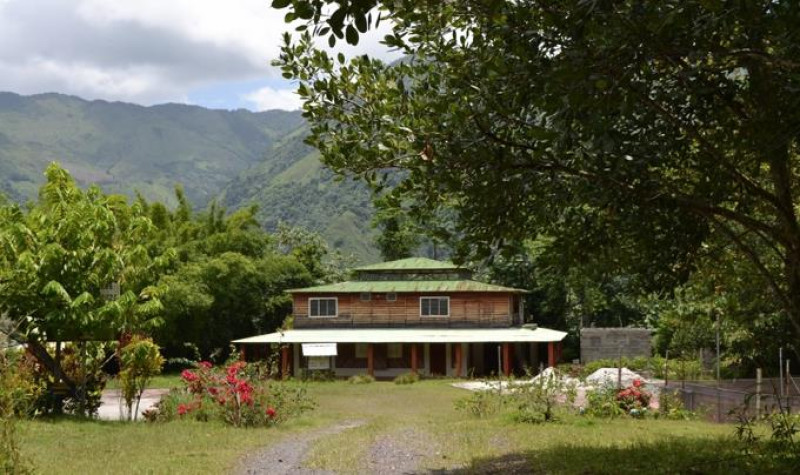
x=234, y=394
x=634, y=399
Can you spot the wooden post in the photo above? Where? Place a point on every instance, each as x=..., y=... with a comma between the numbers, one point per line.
x=414, y=358
x=285, y=361
x=551, y=354
x=242, y=353
x=371, y=359
x=786, y=379
x=507, y=359
x=458, y=360
x=758, y=393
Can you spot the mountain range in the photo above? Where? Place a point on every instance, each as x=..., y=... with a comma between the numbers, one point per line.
x=236, y=158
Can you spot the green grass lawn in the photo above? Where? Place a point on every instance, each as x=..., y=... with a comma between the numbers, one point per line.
x=456, y=440
x=168, y=380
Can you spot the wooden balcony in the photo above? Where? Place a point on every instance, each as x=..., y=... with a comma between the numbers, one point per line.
x=347, y=320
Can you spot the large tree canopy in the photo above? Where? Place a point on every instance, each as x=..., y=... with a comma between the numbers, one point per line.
x=59, y=256
x=630, y=131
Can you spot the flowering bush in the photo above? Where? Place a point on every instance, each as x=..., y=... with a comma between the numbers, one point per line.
x=634, y=399
x=608, y=401
x=233, y=394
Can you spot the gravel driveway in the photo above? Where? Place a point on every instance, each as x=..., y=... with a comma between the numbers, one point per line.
x=287, y=457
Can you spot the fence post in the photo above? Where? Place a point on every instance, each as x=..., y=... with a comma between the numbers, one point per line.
x=758, y=393
x=787, y=391
x=619, y=369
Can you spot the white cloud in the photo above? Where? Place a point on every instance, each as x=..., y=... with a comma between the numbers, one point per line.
x=268, y=98
x=145, y=51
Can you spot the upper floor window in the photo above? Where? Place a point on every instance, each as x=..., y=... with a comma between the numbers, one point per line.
x=434, y=306
x=366, y=296
x=391, y=297
x=323, y=307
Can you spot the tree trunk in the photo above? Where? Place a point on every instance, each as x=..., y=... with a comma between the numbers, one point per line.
x=40, y=353
x=44, y=358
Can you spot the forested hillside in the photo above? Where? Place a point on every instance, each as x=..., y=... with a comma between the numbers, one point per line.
x=238, y=157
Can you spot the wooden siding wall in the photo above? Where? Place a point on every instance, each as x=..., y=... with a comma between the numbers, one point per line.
x=471, y=309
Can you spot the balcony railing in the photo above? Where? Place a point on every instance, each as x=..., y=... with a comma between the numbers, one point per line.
x=345, y=320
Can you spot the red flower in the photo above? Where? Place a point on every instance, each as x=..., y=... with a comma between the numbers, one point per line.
x=182, y=409
x=270, y=413
x=204, y=365
x=637, y=383
x=188, y=376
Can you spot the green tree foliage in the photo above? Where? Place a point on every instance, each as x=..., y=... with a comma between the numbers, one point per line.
x=398, y=237
x=632, y=132
x=58, y=256
x=228, y=277
x=140, y=360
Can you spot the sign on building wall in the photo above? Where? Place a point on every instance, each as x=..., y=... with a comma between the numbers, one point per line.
x=319, y=349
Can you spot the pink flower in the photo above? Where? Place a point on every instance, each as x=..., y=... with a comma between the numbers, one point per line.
x=205, y=365
x=637, y=383
x=182, y=409
x=270, y=413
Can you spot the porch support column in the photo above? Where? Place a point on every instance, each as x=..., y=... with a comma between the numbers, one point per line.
x=371, y=359
x=507, y=359
x=285, y=361
x=551, y=354
x=458, y=360
x=242, y=353
x=414, y=360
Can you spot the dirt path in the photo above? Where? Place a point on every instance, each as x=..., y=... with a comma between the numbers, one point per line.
x=400, y=452
x=113, y=409
x=287, y=457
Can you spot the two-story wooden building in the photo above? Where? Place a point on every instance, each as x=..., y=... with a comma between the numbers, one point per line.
x=414, y=314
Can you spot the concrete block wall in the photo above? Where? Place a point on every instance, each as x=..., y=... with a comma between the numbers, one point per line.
x=603, y=343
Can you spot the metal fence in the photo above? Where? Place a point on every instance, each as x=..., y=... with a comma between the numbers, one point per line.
x=726, y=401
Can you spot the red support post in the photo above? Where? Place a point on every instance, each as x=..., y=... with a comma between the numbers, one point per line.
x=242, y=353
x=371, y=359
x=414, y=362
x=551, y=354
x=285, y=361
x=507, y=359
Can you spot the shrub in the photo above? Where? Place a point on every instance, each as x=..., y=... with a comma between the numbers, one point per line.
x=406, y=378
x=678, y=368
x=608, y=401
x=317, y=375
x=18, y=390
x=232, y=395
x=671, y=407
x=539, y=402
x=634, y=399
x=361, y=379
x=140, y=360
x=602, y=402
x=536, y=402
x=481, y=403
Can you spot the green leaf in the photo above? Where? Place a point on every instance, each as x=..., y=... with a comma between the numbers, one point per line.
x=351, y=35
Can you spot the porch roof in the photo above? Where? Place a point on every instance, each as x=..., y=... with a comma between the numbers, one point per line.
x=410, y=335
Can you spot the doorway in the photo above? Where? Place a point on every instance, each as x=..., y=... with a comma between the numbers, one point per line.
x=438, y=359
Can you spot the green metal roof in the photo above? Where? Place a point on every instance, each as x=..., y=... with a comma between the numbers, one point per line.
x=407, y=286
x=412, y=263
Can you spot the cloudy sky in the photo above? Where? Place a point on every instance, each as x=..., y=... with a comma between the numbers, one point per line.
x=214, y=53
